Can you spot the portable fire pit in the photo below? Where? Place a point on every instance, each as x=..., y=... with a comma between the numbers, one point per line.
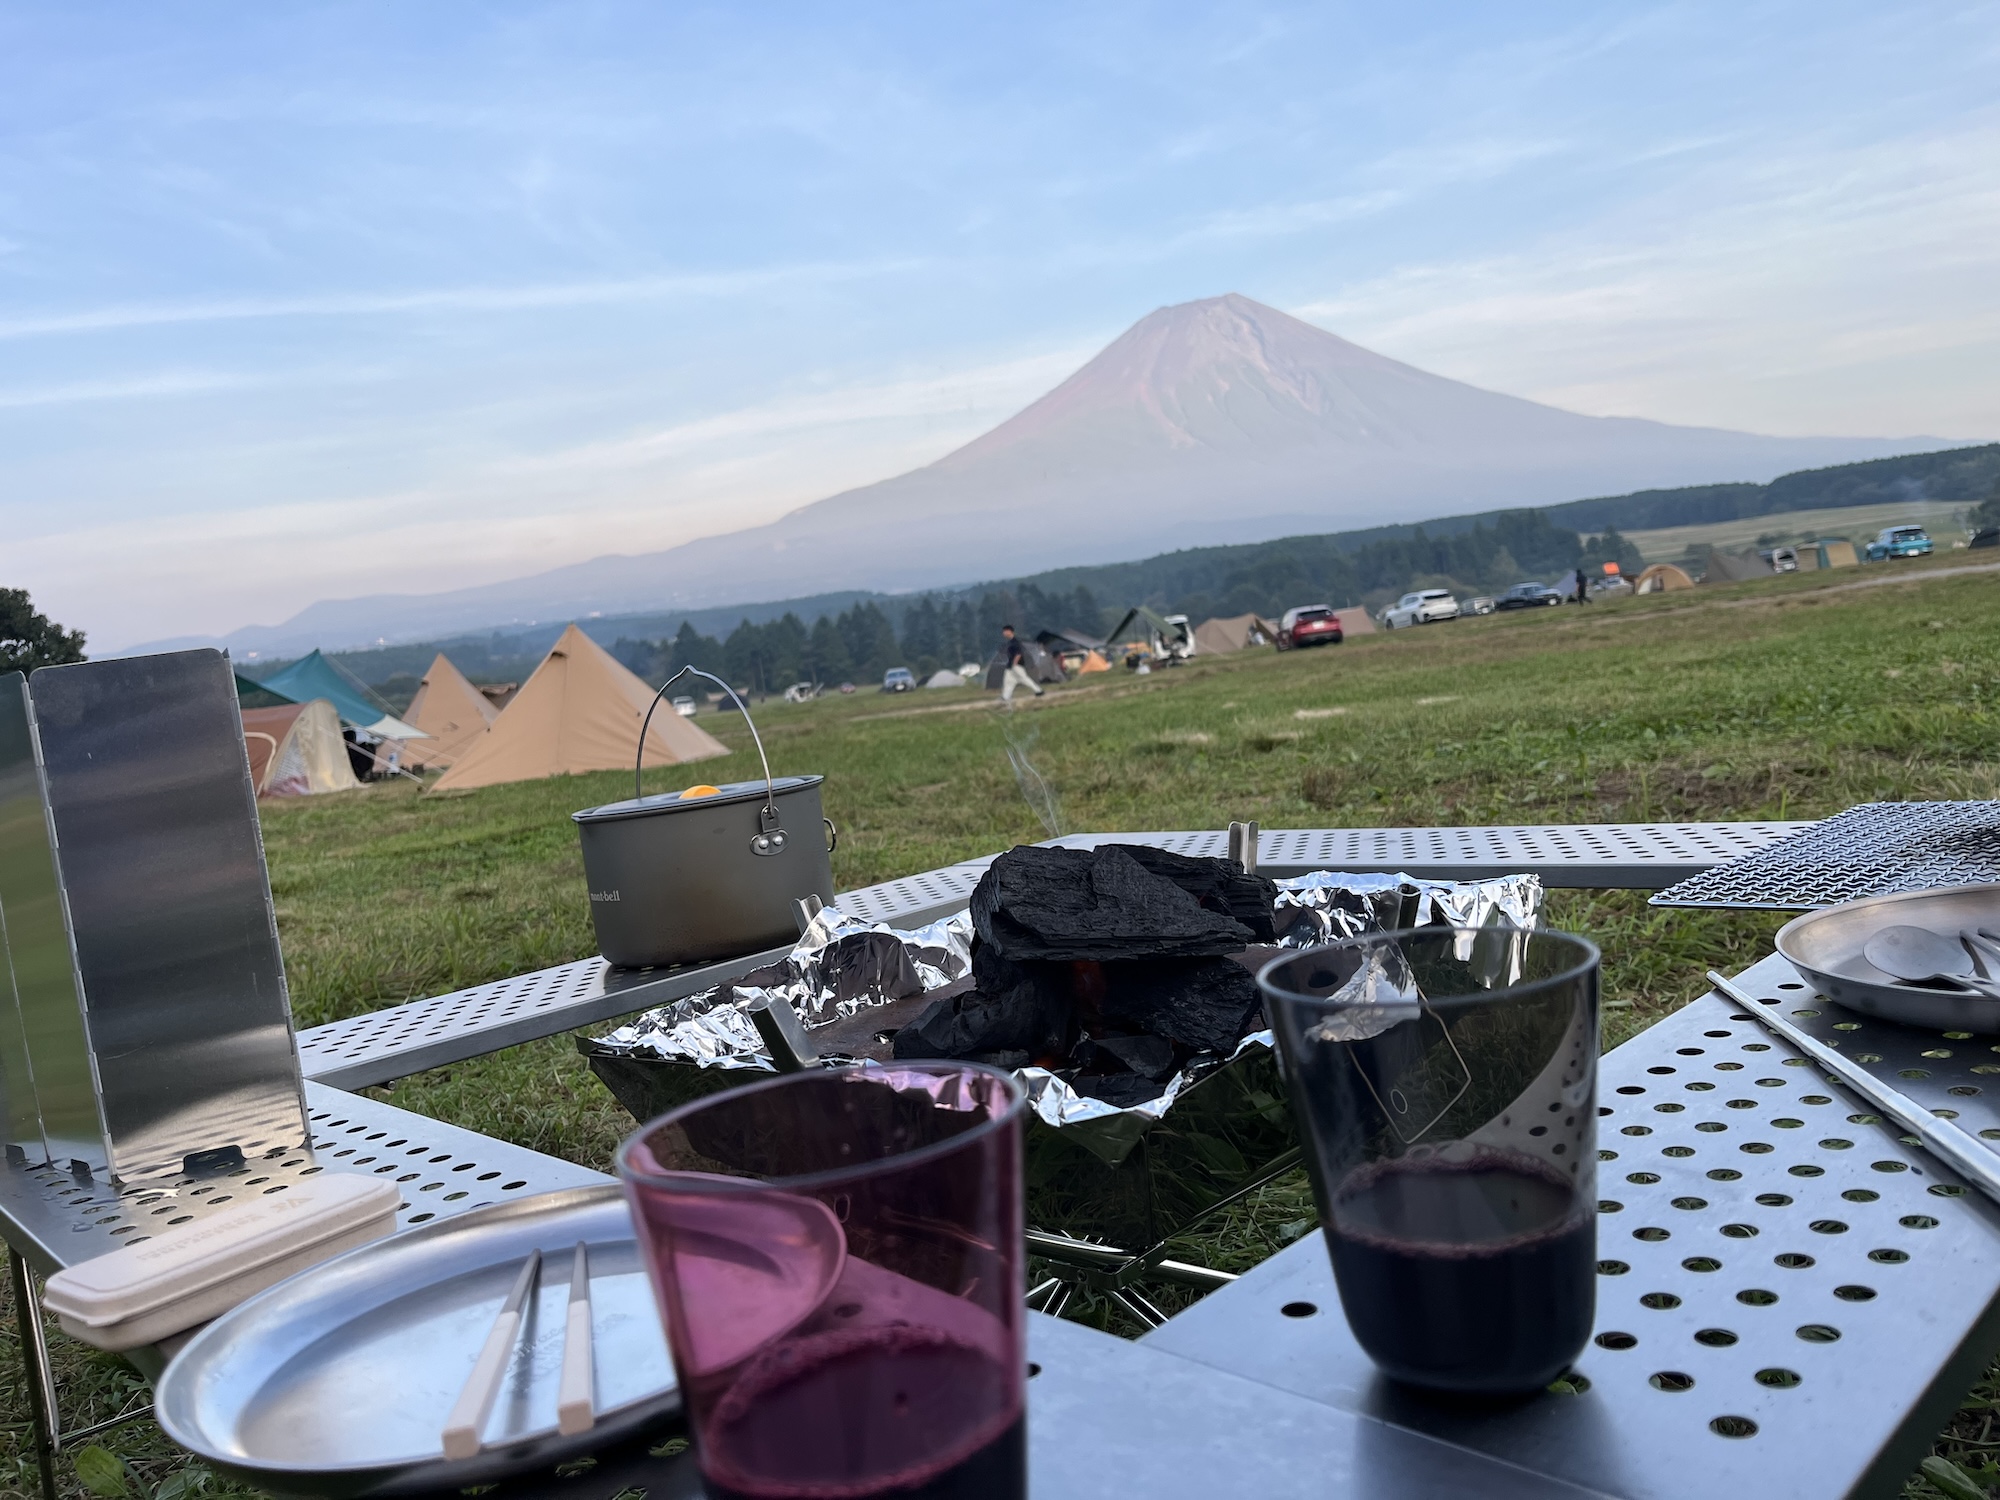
x=1118, y=984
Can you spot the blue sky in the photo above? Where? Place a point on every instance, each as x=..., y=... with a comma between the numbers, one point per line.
x=322, y=300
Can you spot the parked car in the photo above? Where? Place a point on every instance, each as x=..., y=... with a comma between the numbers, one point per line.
x=684, y=706
x=802, y=692
x=1424, y=607
x=899, y=680
x=1899, y=541
x=1478, y=604
x=1309, y=625
x=1528, y=596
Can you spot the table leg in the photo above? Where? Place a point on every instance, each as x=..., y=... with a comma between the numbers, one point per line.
x=35, y=1361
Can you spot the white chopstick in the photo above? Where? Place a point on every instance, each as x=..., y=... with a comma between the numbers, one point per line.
x=467, y=1422
x=1953, y=1146
x=576, y=1405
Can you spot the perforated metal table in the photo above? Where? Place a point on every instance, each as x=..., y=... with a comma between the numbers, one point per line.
x=1787, y=1288
x=404, y=1039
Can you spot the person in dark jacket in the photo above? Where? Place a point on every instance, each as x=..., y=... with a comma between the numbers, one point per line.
x=1016, y=674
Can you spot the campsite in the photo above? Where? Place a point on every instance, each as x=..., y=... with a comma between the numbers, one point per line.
x=969, y=753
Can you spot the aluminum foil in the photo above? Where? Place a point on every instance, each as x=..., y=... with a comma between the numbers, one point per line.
x=823, y=979
x=1326, y=906
x=834, y=971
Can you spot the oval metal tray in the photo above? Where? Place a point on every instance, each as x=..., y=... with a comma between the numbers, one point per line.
x=1825, y=947
x=337, y=1382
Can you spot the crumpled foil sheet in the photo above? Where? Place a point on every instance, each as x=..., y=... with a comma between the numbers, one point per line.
x=711, y=1030
x=1326, y=906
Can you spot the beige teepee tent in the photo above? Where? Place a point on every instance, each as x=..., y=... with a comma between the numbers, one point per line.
x=451, y=711
x=580, y=712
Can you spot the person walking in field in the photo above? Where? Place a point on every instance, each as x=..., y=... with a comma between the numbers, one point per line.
x=1016, y=674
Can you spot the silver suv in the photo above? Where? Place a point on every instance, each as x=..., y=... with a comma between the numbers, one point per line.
x=1424, y=607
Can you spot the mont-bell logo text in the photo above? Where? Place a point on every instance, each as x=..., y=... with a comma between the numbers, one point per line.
x=604, y=895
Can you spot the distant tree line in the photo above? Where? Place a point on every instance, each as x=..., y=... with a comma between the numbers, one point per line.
x=924, y=633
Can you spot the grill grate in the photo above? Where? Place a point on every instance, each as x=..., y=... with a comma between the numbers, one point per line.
x=1876, y=849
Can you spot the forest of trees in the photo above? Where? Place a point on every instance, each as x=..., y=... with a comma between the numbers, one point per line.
x=927, y=631
x=862, y=642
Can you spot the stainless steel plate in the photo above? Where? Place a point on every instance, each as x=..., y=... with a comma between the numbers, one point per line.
x=338, y=1381
x=1825, y=947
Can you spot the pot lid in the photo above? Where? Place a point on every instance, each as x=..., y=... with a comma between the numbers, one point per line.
x=702, y=796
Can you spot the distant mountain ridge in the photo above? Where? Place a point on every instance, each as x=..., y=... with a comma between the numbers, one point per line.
x=1198, y=580
x=1207, y=422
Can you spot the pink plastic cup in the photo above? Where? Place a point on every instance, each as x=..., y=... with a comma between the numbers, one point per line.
x=839, y=1262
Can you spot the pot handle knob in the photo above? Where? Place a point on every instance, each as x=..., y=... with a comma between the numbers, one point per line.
x=832, y=835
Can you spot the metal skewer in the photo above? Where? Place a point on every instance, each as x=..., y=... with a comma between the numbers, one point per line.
x=576, y=1403
x=1946, y=1142
x=463, y=1428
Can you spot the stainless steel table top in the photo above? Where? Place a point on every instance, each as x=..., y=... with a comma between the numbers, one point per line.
x=1110, y=1417
x=57, y=1218
x=404, y=1039
x=1811, y=1322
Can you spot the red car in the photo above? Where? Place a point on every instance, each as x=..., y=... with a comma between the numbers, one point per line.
x=1309, y=625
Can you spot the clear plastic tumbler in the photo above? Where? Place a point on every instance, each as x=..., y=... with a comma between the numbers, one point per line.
x=1445, y=1084
x=839, y=1261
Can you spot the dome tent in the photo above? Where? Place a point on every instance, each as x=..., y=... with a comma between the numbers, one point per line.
x=296, y=750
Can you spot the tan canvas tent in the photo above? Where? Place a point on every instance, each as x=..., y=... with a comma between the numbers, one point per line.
x=1356, y=621
x=296, y=750
x=1220, y=637
x=451, y=711
x=579, y=712
x=1661, y=578
x=1734, y=567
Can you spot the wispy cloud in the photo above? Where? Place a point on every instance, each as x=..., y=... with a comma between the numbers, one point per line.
x=1786, y=293
x=505, y=514
x=445, y=299
x=145, y=387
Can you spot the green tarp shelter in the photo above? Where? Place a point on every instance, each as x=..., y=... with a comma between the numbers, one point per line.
x=315, y=676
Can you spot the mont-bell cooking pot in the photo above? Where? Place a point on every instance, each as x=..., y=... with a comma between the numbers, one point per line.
x=708, y=873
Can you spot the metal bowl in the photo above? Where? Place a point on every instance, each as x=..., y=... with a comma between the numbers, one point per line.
x=1825, y=947
x=337, y=1382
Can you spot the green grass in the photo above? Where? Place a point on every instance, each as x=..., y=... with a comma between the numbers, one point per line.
x=1792, y=697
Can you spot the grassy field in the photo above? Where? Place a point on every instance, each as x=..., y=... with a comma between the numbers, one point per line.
x=1858, y=523
x=1792, y=697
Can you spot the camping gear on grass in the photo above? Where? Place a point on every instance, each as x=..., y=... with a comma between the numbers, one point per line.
x=580, y=711
x=339, y=1381
x=1125, y=1175
x=711, y=872
x=296, y=750
x=174, y=1279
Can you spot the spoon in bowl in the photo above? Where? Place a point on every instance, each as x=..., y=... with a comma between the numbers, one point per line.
x=1917, y=955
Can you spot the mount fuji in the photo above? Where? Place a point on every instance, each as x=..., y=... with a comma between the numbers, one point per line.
x=1221, y=420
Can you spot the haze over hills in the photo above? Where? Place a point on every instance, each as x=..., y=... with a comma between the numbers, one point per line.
x=1221, y=420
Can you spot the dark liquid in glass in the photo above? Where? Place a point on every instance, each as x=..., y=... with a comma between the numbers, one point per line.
x=1476, y=1276
x=895, y=1411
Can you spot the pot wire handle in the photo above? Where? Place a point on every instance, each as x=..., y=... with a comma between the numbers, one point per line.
x=770, y=810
